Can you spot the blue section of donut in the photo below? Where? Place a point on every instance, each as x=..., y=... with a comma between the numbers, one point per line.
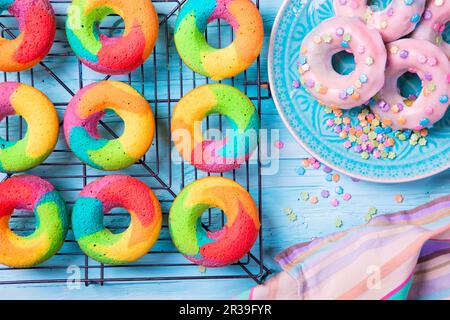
x=87, y=217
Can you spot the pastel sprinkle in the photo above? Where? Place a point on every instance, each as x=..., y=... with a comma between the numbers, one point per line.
x=372, y=211
x=415, y=18
x=314, y=200
x=438, y=3
x=408, y=2
x=340, y=32
x=398, y=198
x=432, y=61
x=335, y=202
x=339, y=190
x=279, y=144
x=304, y=196
x=404, y=54
x=296, y=84
x=443, y=99
x=336, y=177
x=363, y=78
x=369, y=61
x=427, y=14
x=347, y=197
x=325, y=194
x=347, y=37
x=300, y=171
x=339, y=223
x=394, y=49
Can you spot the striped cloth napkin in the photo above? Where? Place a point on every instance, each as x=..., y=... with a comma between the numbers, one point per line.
x=405, y=255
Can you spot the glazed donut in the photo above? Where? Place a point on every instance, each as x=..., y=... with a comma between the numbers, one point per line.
x=86, y=109
x=433, y=69
x=223, y=247
x=101, y=196
x=219, y=64
x=434, y=20
x=399, y=18
x=32, y=194
x=112, y=55
x=43, y=127
x=37, y=28
x=315, y=63
x=211, y=155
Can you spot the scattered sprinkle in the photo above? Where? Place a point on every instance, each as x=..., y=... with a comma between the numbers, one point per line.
x=399, y=198
x=347, y=196
x=202, y=269
x=325, y=194
x=314, y=200
x=279, y=144
x=304, y=196
x=339, y=223
x=372, y=211
x=336, y=177
x=335, y=202
x=339, y=190
x=300, y=171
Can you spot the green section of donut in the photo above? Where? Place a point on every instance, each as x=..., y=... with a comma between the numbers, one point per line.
x=13, y=156
x=51, y=221
x=191, y=44
x=82, y=29
x=184, y=229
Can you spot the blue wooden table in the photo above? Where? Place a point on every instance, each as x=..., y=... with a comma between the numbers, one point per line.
x=282, y=194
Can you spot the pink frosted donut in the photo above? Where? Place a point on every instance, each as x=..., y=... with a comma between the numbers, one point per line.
x=435, y=17
x=397, y=20
x=315, y=63
x=432, y=67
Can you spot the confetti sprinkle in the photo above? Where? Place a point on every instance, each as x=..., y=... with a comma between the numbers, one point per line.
x=325, y=194
x=304, y=196
x=335, y=202
x=202, y=269
x=300, y=171
x=339, y=190
x=339, y=223
x=279, y=144
x=336, y=177
x=347, y=197
x=314, y=200
x=372, y=211
x=398, y=198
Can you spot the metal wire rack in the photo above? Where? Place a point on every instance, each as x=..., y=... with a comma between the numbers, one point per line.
x=162, y=80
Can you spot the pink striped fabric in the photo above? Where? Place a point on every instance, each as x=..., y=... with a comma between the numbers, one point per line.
x=405, y=255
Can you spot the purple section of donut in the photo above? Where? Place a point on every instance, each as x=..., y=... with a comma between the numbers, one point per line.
x=6, y=91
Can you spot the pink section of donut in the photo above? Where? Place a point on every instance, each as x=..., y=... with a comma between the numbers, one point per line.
x=432, y=67
x=435, y=17
x=6, y=91
x=222, y=12
x=71, y=118
x=394, y=22
x=205, y=157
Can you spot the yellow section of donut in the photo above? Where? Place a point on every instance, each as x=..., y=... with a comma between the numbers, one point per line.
x=188, y=124
x=130, y=106
x=211, y=191
x=41, y=117
x=8, y=49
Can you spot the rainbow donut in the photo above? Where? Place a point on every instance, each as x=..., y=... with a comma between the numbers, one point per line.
x=101, y=196
x=219, y=64
x=399, y=18
x=33, y=194
x=315, y=63
x=215, y=155
x=37, y=28
x=112, y=55
x=432, y=26
x=223, y=247
x=43, y=127
x=86, y=109
x=433, y=69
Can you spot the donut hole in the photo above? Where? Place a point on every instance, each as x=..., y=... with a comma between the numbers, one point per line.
x=409, y=85
x=222, y=33
x=111, y=26
x=378, y=5
x=446, y=33
x=343, y=62
x=114, y=125
x=13, y=128
x=117, y=220
x=213, y=220
x=22, y=222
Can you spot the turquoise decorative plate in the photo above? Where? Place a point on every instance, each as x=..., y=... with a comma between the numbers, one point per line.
x=306, y=119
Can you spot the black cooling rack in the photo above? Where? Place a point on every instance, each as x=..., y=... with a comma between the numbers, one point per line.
x=162, y=80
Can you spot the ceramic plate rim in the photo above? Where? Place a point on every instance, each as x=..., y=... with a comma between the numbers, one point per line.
x=300, y=141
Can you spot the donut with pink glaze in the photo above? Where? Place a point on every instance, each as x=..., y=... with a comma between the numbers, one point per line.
x=398, y=19
x=432, y=26
x=315, y=63
x=432, y=67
